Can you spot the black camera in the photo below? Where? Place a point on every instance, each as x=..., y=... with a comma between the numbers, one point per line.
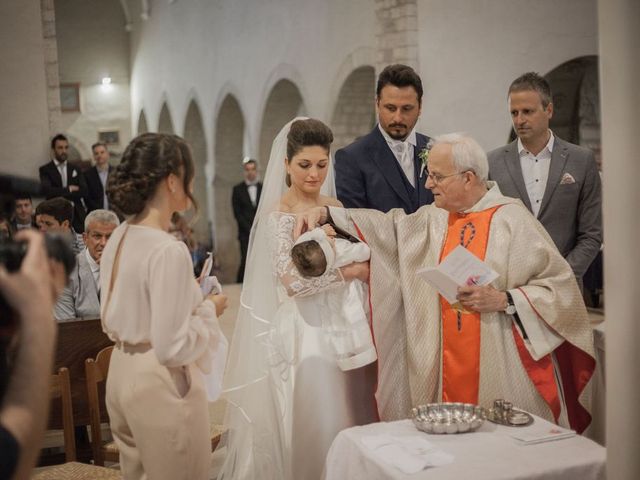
x=12, y=252
x=11, y=255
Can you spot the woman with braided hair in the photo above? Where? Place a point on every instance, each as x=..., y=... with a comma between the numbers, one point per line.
x=166, y=333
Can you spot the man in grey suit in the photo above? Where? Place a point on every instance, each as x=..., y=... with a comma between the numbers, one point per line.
x=81, y=296
x=556, y=180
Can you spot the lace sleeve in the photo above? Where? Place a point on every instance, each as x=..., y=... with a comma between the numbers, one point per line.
x=280, y=243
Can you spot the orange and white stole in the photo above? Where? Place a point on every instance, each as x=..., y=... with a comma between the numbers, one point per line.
x=461, y=329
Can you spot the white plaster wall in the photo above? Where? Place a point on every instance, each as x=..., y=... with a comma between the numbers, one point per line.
x=471, y=50
x=210, y=49
x=92, y=44
x=468, y=53
x=204, y=50
x=24, y=127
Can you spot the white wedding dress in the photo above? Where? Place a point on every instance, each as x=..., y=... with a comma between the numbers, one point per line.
x=325, y=399
x=286, y=397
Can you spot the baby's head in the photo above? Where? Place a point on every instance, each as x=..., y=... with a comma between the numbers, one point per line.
x=314, y=252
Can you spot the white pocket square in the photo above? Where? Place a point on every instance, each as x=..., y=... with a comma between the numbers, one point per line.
x=74, y=174
x=567, y=179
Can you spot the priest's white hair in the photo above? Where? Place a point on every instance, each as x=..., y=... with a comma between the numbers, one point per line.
x=467, y=154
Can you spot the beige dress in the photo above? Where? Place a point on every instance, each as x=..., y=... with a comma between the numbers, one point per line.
x=166, y=336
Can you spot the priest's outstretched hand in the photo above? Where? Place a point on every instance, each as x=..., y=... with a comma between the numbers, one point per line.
x=309, y=220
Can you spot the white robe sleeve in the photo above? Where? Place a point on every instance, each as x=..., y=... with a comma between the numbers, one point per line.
x=184, y=328
x=542, y=340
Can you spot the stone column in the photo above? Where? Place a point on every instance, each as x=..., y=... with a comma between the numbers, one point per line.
x=619, y=35
x=397, y=33
x=50, y=45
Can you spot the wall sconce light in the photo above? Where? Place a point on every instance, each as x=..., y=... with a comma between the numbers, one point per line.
x=106, y=81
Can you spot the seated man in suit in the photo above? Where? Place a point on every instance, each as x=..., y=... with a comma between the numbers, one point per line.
x=556, y=180
x=59, y=179
x=81, y=297
x=56, y=215
x=244, y=200
x=385, y=169
x=97, y=177
x=23, y=214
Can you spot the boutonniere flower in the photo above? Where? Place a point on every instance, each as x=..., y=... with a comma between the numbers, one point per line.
x=74, y=174
x=424, y=157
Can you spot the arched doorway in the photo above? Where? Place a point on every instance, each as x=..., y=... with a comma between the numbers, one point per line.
x=229, y=136
x=165, y=124
x=354, y=114
x=576, y=101
x=283, y=104
x=142, y=123
x=194, y=135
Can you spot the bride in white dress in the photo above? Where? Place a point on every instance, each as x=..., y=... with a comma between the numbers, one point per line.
x=287, y=398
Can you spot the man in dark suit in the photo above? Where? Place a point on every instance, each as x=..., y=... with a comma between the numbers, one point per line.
x=384, y=169
x=556, y=180
x=244, y=199
x=59, y=179
x=97, y=177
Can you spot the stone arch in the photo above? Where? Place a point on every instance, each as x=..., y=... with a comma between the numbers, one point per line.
x=142, y=123
x=576, y=101
x=195, y=137
x=229, y=136
x=165, y=124
x=283, y=103
x=354, y=114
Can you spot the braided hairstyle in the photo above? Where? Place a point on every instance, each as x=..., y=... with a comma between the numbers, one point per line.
x=149, y=159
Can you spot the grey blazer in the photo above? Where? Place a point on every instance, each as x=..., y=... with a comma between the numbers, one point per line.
x=80, y=297
x=571, y=209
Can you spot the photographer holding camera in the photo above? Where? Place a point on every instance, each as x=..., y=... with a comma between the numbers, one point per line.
x=30, y=292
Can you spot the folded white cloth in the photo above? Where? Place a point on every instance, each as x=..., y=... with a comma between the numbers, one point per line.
x=539, y=432
x=210, y=285
x=213, y=379
x=409, y=454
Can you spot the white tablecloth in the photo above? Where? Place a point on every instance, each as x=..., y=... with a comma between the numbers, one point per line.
x=489, y=453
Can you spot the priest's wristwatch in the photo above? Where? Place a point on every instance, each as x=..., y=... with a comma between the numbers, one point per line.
x=511, y=307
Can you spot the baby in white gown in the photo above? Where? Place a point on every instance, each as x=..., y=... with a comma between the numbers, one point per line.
x=346, y=321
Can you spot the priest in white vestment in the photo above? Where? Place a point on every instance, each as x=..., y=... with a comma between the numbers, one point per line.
x=525, y=337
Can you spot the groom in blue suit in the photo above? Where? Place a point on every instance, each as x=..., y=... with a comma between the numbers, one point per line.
x=383, y=170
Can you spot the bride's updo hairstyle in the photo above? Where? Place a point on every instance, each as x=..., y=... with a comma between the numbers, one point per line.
x=307, y=133
x=149, y=159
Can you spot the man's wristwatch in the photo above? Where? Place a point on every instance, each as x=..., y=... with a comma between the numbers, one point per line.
x=511, y=307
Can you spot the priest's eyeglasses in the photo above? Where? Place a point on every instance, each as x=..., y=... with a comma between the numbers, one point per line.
x=436, y=178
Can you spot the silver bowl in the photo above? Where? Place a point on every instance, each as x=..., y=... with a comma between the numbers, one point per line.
x=448, y=417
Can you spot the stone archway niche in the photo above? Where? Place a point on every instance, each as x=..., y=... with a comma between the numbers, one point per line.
x=228, y=154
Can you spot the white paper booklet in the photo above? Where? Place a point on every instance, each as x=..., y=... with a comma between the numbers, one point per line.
x=460, y=268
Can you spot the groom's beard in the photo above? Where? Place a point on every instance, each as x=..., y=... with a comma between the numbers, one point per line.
x=398, y=136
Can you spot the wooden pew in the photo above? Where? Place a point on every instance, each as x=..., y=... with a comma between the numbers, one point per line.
x=77, y=341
